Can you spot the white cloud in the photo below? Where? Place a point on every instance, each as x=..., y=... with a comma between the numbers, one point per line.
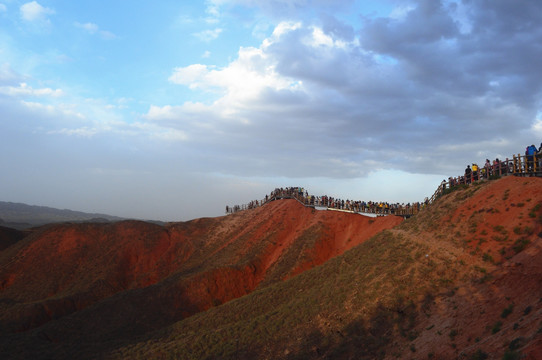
x=92, y=29
x=191, y=75
x=208, y=35
x=25, y=90
x=212, y=9
x=33, y=11
x=157, y=112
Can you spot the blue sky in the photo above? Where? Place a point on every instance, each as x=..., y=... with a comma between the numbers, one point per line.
x=171, y=110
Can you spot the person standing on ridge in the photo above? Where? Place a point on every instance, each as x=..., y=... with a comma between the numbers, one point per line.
x=488, y=169
x=530, y=152
x=468, y=174
x=474, y=172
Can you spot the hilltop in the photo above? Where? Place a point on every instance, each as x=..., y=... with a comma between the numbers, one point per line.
x=461, y=278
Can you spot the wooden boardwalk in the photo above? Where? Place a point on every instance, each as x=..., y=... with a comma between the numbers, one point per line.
x=519, y=165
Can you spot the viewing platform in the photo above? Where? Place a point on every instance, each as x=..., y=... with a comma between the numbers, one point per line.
x=519, y=165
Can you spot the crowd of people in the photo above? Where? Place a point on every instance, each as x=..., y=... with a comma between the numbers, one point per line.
x=530, y=164
x=302, y=195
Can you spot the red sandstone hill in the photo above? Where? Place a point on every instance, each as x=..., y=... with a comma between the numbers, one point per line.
x=462, y=279
x=189, y=267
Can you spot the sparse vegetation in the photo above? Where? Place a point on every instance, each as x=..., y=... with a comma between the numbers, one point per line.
x=517, y=343
x=528, y=230
x=496, y=327
x=500, y=229
x=520, y=244
x=533, y=212
x=488, y=258
x=455, y=188
x=511, y=355
x=479, y=355
x=507, y=311
x=453, y=333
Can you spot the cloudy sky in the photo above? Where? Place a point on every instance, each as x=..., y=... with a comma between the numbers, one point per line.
x=171, y=110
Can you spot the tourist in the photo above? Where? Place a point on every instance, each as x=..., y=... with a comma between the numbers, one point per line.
x=474, y=172
x=468, y=174
x=530, y=152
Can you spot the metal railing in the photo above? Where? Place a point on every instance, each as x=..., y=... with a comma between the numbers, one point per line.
x=519, y=165
x=330, y=203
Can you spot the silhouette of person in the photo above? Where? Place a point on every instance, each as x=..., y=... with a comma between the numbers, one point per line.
x=468, y=174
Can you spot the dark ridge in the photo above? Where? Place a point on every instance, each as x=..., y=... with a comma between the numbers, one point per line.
x=22, y=216
x=9, y=236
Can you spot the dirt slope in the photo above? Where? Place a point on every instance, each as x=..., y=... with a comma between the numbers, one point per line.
x=186, y=267
x=462, y=279
x=495, y=231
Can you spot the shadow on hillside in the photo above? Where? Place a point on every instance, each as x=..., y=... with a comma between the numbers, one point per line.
x=362, y=339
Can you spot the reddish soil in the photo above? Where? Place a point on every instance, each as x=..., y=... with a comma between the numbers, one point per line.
x=471, y=318
x=121, y=280
x=187, y=267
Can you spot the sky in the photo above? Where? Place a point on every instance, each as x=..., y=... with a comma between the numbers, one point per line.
x=171, y=110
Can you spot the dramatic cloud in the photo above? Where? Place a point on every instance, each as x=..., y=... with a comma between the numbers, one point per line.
x=399, y=95
x=340, y=97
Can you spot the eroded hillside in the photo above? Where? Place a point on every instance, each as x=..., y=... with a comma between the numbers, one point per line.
x=112, y=276
x=460, y=279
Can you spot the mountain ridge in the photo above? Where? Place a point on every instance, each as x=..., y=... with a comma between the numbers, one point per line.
x=22, y=216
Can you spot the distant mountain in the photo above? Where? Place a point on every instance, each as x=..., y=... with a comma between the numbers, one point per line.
x=23, y=216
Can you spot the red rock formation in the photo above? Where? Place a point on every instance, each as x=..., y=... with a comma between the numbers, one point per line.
x=61, y=269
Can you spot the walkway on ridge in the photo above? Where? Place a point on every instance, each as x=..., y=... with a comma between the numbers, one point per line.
x=517, y=166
